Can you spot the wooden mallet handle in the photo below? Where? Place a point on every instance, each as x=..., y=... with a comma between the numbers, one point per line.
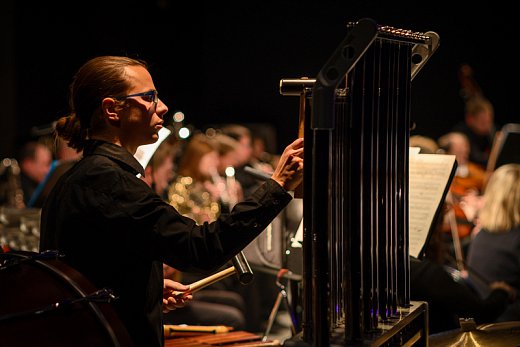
x=198, y=285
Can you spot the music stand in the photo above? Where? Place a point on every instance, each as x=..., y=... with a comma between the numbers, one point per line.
x=506, y=147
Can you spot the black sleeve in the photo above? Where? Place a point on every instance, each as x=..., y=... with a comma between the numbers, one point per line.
x=187, y=246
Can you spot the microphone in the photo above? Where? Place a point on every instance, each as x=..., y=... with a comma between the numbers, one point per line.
x=258, y=174
x=242, y=268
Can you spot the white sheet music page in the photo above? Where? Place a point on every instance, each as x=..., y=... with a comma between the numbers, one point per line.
x=429, y=179
x=297, y=240
x=145, y=152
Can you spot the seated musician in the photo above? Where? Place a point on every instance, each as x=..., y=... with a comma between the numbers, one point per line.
x=210, y=306
x=466, y=187
x=109, y=224
x=201, y=193
x=448, y=300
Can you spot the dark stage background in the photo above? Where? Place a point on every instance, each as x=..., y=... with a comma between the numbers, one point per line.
x=222, y=61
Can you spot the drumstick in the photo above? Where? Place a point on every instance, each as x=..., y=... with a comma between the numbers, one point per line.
x=181, y=330
x=198, y=285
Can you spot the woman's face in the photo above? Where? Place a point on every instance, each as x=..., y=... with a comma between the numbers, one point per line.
x=209, y=163
x=245, y=150
x=230, y=158
x=459, y=146
x=141, y=121
x=482, y=122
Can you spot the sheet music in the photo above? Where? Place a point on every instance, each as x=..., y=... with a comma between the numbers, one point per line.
x=297, y=241
x=144, y=153
x=429, y=181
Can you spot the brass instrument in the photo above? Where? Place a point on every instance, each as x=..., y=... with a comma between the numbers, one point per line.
x=19, y=225
x=193, y=200
x=11, y=193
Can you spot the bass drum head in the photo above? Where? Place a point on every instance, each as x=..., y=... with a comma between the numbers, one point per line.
x=32, y=285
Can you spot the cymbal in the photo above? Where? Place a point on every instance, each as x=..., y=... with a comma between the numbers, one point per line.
x=471, y=335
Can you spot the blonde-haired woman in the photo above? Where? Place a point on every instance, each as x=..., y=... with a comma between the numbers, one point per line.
x=494, y=253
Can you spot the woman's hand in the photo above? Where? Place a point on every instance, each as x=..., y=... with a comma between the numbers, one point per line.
x=289, y=171
x=175, y=295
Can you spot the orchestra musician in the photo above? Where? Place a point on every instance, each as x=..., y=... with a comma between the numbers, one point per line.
x=112, y=227
x=197, y=192
x=479, y=118
x=467, y=184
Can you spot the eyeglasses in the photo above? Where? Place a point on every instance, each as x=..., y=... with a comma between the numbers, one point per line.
x=150, y=96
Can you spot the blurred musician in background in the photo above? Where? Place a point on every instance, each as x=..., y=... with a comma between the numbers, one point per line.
x=234, y=142
x=465, y=189
x=34, y=159
x=209, y=306
x=65, y=158
x=449, y=296
x=112, y=227
x=229, y=189
x=261, y=155
x=244, y=156
x=494, y=252
x=479, y=127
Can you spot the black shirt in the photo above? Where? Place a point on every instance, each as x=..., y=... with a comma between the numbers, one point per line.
x=28, y=187
x=117, y=232
x=449, y=300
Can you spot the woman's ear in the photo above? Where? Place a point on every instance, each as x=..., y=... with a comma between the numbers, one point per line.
x=110, y=109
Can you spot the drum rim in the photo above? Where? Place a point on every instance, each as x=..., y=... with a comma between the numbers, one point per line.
x=105, y=314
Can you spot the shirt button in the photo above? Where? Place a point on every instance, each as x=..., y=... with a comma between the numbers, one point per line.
x=276, y=202
x=255, y=225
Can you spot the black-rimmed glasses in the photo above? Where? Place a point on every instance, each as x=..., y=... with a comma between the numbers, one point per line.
x=150, y=96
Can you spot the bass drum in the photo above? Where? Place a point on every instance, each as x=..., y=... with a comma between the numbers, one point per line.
x=44, y=302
